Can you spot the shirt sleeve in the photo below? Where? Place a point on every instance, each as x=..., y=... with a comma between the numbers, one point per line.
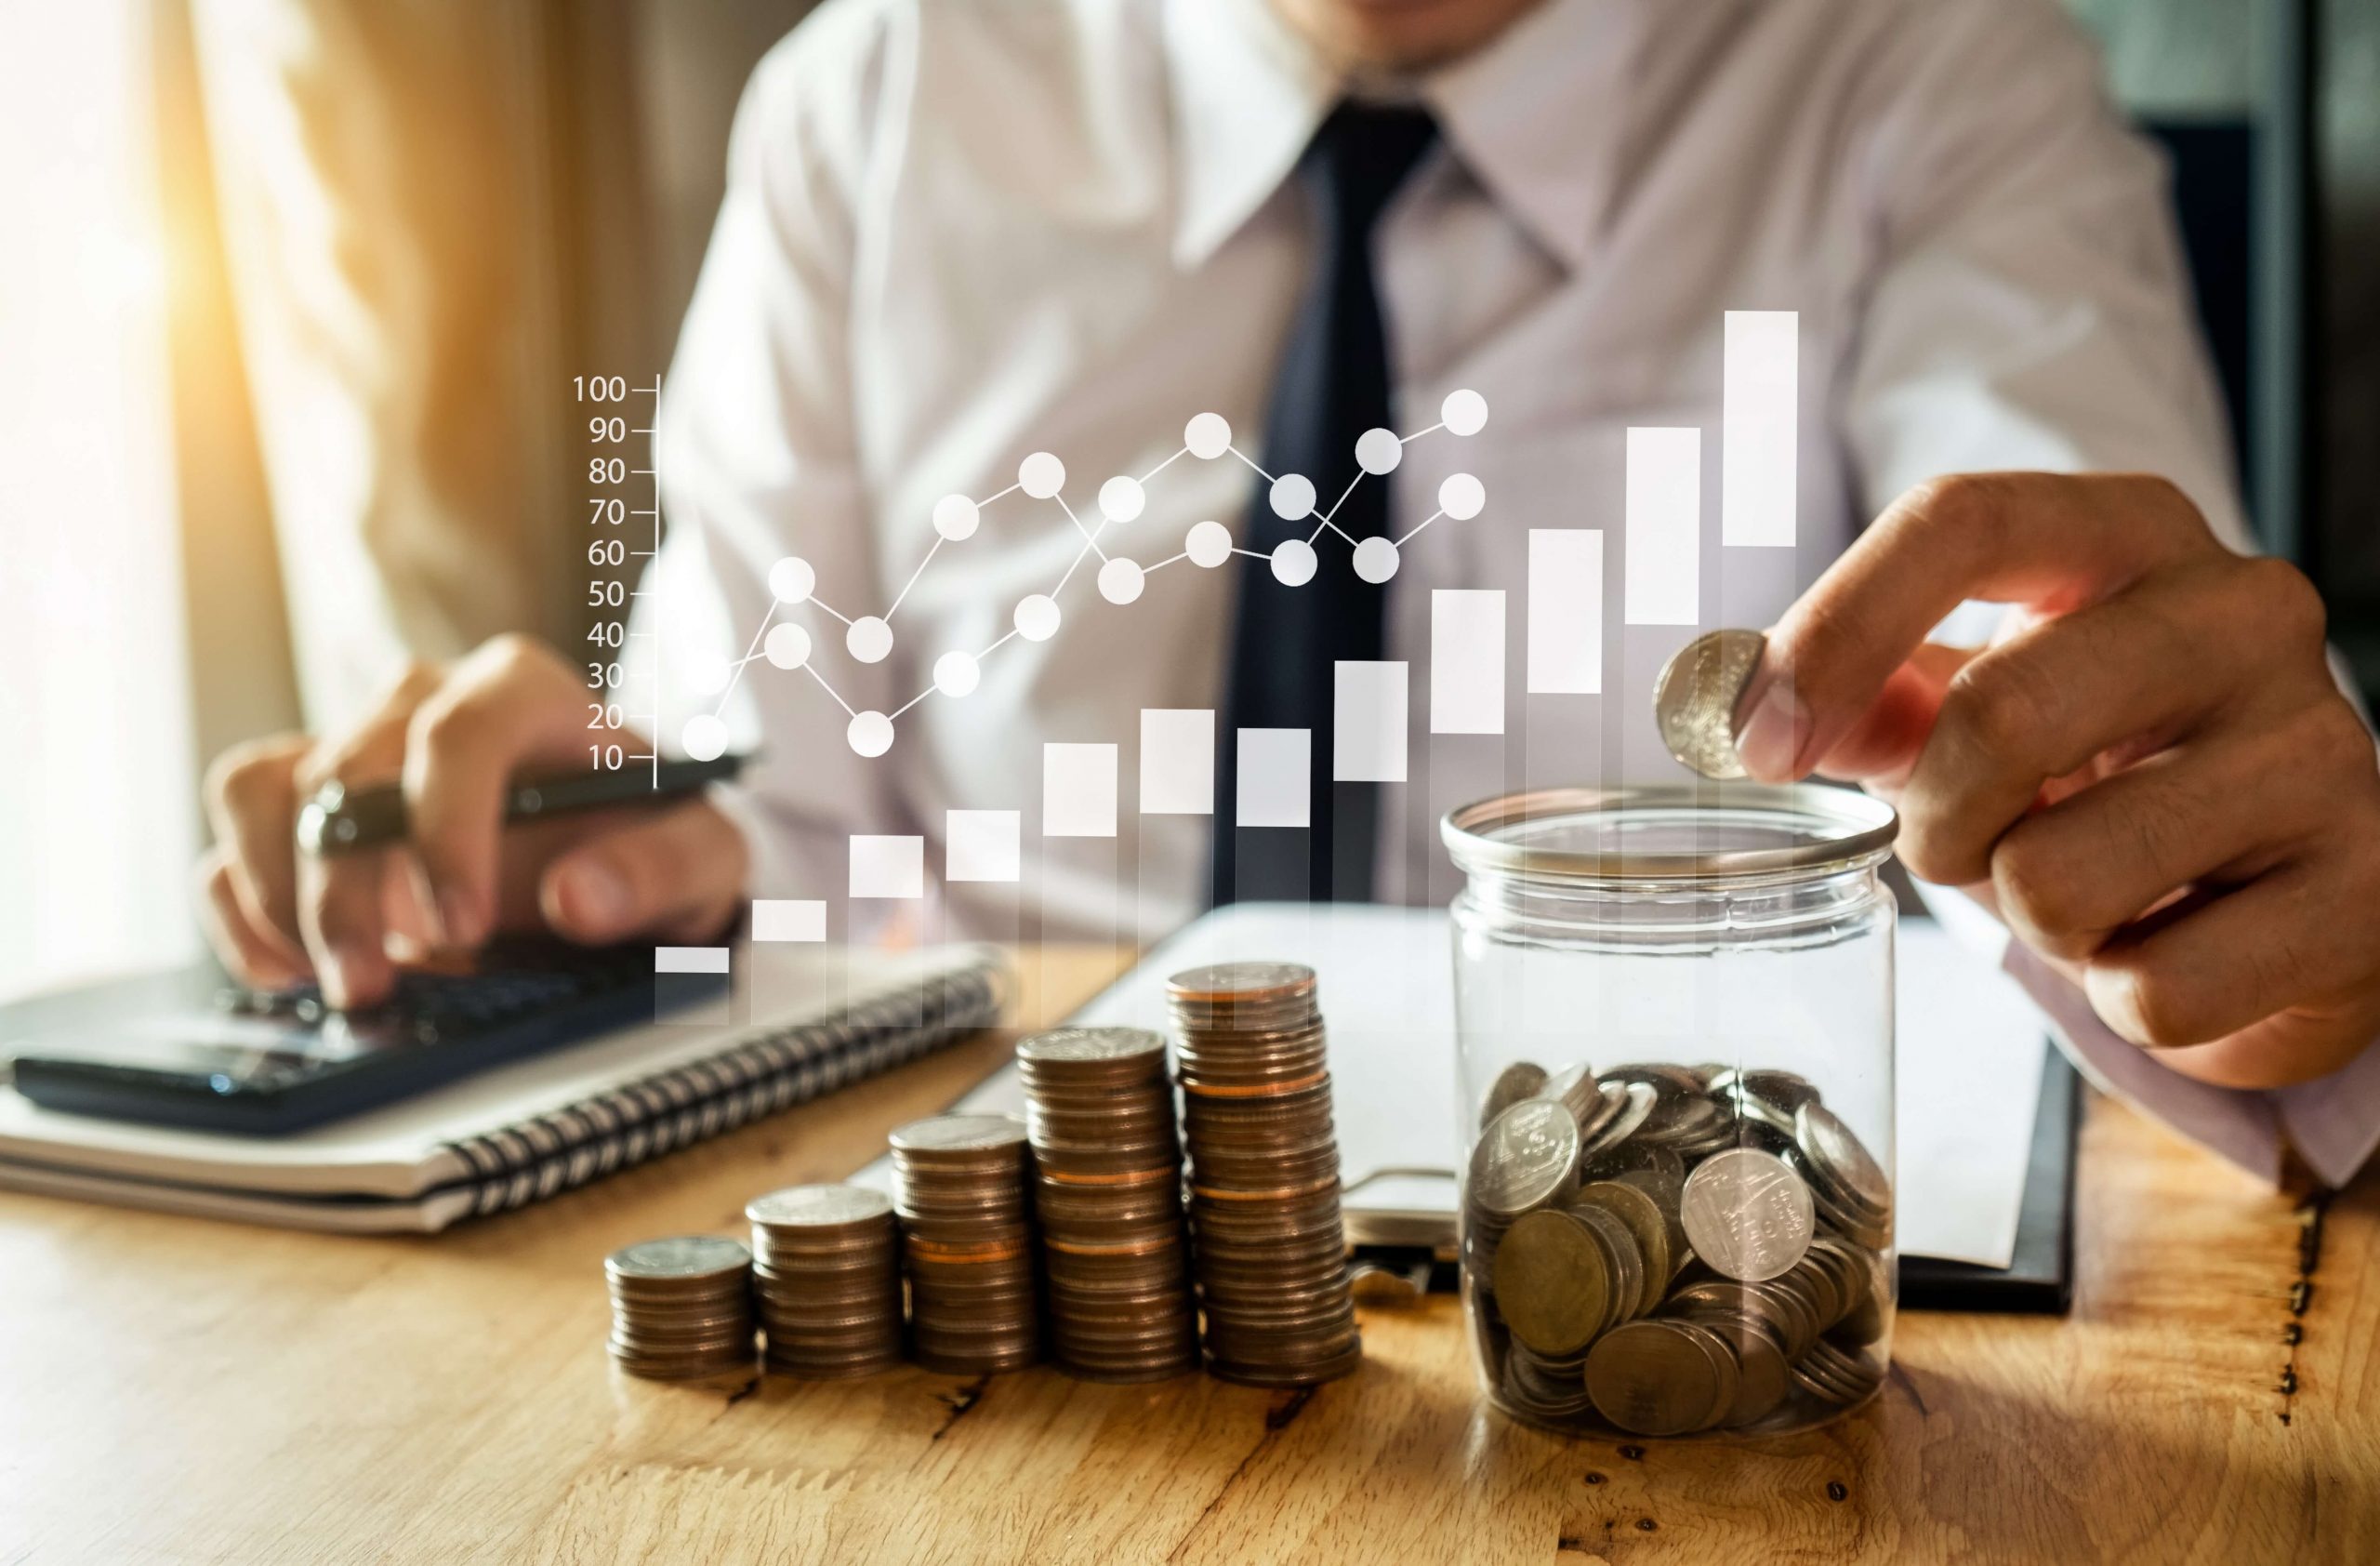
x=759, y=461
x=2029, y=308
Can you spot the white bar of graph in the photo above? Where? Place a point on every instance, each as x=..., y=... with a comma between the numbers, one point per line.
x=1466, y=661
x=1566, y=611
x=1758, y=429
x=1368, y=722
x=1078, y=791
x=786, y=919
x=982, y=846
x=1275, y=775
x=1177, y=760
x=888, y=867
x=1664, y=582
x=690, y=960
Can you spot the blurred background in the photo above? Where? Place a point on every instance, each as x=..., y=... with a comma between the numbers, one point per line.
x=293, y=294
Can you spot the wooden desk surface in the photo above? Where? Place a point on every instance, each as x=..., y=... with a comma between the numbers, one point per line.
x=180, y=1390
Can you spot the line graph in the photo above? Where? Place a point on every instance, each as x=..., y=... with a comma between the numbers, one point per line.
x=788, y=644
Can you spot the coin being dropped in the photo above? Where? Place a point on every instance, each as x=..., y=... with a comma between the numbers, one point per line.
x=1694, y=700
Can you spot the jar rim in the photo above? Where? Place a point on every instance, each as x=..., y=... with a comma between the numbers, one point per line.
x=1822, y=829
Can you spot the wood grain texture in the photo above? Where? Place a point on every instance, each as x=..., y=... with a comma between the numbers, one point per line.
x=177, y=1390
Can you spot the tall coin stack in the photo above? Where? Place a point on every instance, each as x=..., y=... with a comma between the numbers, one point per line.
x=1270, y=1251
x=960, y=1185
x=1108, y=1192
x=682, y=1307
x=826, y=1270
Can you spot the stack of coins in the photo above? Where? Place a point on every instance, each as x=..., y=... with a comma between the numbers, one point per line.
x=1107, y=1190
x=681, y=1309
x=826, y=1270
x=1663, y=1249
x=962, y=1186
x=1270, y=1251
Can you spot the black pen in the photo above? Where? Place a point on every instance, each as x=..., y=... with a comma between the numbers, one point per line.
x=343, y=820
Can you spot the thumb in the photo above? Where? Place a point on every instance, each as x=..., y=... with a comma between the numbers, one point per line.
x=1882, y=743
x=676, y=873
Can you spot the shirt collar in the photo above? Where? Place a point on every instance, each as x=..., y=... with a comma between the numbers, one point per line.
x=1247, y=95
x=1534, y=115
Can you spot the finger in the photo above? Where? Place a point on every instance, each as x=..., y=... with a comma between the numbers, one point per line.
x=509, y=702
x=2228, y=806
x=339, y=897
x=252, y=807
x=2141, y=669
x=2054, y=542
x=678, y=873
x=255, y=958
x=1879, y=748
x=2232, y=962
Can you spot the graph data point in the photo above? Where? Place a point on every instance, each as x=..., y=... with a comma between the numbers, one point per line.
x=1208, y=544
x=1375, y=560
x=1292, y=496
x=870, y=733
x=1120, y=580
x=1461, y=497
x=955, y=517
x=1036, y=618
x=791, y=579
x=1207, y=436
x=1379, y=451
x=787, y=646
x=1464, y=412
x=1122, y=499
x=1041, y=475
x=957, y=674
x=706, y=737
x=869, y=639
x=1294, y=562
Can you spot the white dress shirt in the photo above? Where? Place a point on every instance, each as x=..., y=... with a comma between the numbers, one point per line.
x=956, y=233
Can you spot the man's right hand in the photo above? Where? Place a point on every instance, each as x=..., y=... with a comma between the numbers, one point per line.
x=452, y=736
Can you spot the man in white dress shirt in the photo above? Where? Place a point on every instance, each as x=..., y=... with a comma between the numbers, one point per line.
x=959, y=234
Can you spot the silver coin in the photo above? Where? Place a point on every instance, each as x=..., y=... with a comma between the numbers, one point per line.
x=685, y=1255
x=1694, y=701
x=1527, y=1156
x=960, y=1134
x=1839, y=1157
x=1748, y=1216
x=1071, y=1045
x=1635, y=1104
x=802, y=1206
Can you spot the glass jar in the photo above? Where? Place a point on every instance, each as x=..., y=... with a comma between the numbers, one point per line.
x=1674, y=1007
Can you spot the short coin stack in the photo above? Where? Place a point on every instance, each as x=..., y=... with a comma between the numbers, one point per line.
x=826, y=1270
x=1107, y=1191
x=1270, y=1250
x=1663, y=1249
x=682, y=1307
x=960, y=1191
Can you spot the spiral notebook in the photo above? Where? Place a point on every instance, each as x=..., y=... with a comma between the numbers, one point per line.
x=802, y=1021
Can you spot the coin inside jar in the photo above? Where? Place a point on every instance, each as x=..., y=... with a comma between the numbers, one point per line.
x=1694, y=700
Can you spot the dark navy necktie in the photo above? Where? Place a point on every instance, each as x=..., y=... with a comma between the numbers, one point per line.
x=1334, y=384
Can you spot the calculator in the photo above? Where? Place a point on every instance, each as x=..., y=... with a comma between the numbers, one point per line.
x=215, y=1057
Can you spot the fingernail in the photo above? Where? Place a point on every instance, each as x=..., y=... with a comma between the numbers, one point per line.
x=458, y=912
x=332, y=976
x=1773, y=734
x=595, y=898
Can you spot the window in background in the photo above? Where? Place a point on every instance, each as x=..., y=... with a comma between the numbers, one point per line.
x=97, y=819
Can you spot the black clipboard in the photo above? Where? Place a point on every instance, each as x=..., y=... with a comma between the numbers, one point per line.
x=2039, y=1279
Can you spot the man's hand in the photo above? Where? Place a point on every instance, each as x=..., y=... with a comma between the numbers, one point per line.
x=452, y=736
x=2150, y=774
